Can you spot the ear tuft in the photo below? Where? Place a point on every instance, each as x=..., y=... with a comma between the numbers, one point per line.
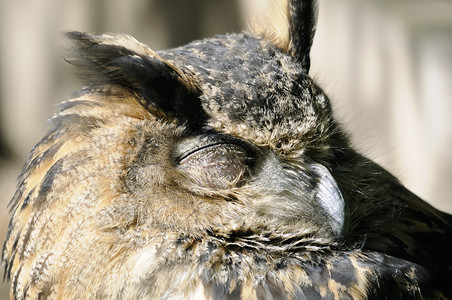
x=289, y=25
x=120, y=60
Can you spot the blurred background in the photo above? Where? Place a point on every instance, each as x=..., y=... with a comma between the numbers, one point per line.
x=386, y=65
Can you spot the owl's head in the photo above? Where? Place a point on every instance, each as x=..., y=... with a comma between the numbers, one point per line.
x=221, y=137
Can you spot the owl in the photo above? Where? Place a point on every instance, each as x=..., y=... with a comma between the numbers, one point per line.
x=215, y=170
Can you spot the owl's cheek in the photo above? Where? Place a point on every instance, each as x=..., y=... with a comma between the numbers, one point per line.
x=301, y=195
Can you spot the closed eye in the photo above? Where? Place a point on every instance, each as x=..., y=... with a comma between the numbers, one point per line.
x=201, y=148
x=215, y=161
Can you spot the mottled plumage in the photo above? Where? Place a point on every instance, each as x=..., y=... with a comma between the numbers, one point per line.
x=214, y=170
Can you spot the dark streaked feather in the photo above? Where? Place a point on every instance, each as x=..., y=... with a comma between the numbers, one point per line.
x=158, y=84
x=302, y=28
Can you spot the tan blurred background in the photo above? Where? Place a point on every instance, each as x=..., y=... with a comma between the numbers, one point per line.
x=386, y=65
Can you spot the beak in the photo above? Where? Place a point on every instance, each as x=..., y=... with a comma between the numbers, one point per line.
x=329, y=197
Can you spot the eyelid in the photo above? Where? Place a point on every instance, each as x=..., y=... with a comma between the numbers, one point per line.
x=194, y=144
x=194, y=150
x=215, y=161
